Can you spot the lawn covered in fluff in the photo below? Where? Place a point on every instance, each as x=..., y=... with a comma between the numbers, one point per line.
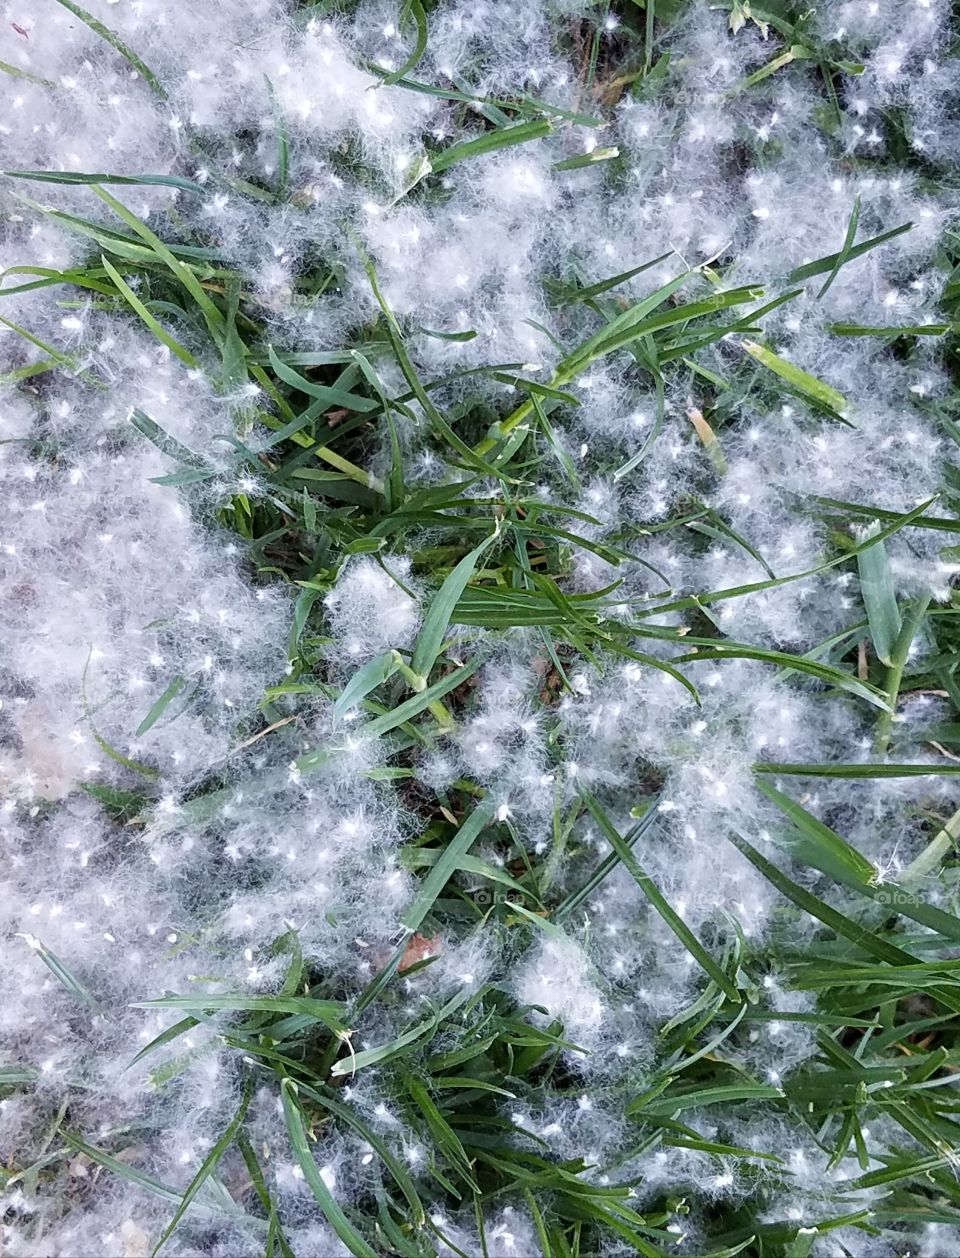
x=479, y=709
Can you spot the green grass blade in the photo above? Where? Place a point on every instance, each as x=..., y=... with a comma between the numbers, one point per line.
x=208, y=1166
x=858, y=935
x=61, y=973
x=63, y=360
x=880, y=769
x=165, y=443
x=419, y=48
x=606, y=866
x=157, y=710
x=329, y=1012
x=890, y=331
x=880, y=600
x=436, y=420
x=444, y=1137
x=328, y=396
x=165, y=1037
x=845, y=248
x=716, y=596
x=17, y=73
x=800, y=663
x=123, y=1170
x=657, y=900
x=591, y=291
x=180, y=270
x=424, y=857
x=283, y=141
x=371, y=675
x=437, y=620
x=75, y=177
x=441, y=873
x=293, y=1114
x=824, y=265
x=625, y=324
x=134, y=302
x=699, y=1097
x=117, y=43
x=587, y=159
x=822, y=395
x=835, y=852
x=490, y=142
x=347, y=1114
x=912, y=621
x=397, y=716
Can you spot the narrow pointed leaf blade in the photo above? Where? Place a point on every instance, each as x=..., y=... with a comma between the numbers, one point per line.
x=817, y=391
x=447, y=864
x=880, y=599
x=296, y=1127
x=371, y=675
x=437, y=619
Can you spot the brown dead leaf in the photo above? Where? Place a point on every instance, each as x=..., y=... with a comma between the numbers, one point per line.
x=418, y=949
